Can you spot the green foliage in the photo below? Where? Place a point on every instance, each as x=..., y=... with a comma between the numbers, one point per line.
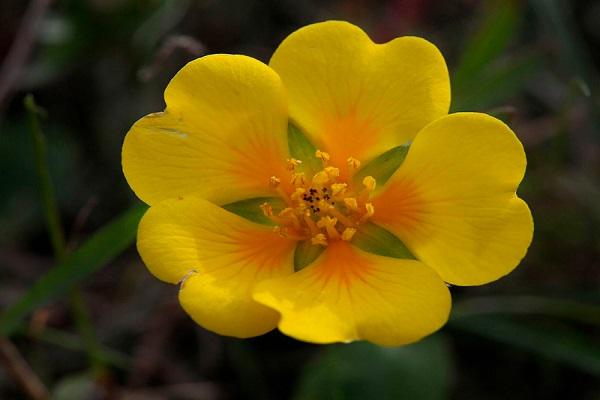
x=377, y=240
x=305, y=253
x=250, y=208
x=96, y=252
x=302, y=149
x=383, y=166
x=365, y=371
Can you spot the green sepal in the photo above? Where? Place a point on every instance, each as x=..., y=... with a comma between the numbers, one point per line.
x=302, y=149
x=377, y=240
x=250, y=208
x=383, y=166
x=306, y=253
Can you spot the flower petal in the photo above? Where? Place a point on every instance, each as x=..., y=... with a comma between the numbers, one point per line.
x=222, y=135
x=453, y=201
x=220, y=257
x=353, y=97
x=347, y=294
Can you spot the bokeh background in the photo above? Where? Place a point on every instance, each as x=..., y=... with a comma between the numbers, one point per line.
x=94, y=324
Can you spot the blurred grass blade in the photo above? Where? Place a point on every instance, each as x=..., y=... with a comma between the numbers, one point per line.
x=555, y=342
x=489, y=42
x=55, y=229
x=100, y=249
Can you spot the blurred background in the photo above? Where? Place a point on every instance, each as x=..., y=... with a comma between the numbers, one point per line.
x=83, y=319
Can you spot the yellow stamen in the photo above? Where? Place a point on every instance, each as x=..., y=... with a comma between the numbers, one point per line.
x=341, y=217
x=298, y=179
x=274, y=181
x=290, y=214
x=292, y=163
x=319, y=238
x=370, y=210
x=338, y=188
x=310, y=223
x=298, y=193
x=353, y=163
x=267, y=209
x=329, y=224
x=351, y=203
x=332, y=172
x=323, y=156
x=320, y=178
x=348, y=234
x=369, y=183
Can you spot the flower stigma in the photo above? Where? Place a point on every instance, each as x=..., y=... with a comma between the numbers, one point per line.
x=323, y=208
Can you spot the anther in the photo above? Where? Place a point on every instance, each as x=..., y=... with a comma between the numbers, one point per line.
x=292, y=163
x=319, y=238
x=348, y=234
x=323, y=156
x=338, y=188
x=353, y=163
x=274, y=181
x=299, y=193
x=332, y=172
x=351, y=203
x=370, y=210
x=329, y=224
x=320, y=178
x=369, y=183
x=267, y=209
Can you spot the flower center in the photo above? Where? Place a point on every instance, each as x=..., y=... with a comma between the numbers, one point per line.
x=322, y=208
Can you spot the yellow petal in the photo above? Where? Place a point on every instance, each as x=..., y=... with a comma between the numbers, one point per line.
x=220, y=256
x=347, y=294
x=355, y=98
x=453, y=201
x=222, y=135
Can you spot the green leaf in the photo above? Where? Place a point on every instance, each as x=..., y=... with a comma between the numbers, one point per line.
x=489, y=42
x=250, y=208
x=302, y=149
x=377, y=240
x=557, y=343
x=365, y=371
x=96, y=252
x=305, y=253
x=383, y=166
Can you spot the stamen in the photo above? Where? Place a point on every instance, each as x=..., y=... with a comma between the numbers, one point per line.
x=332, y=172
x=311, y=224
x=320, y=178
x=298, y=179
x=341, y=217
x=348, y=234
x=292, y=163
x=329, y=224
x=323, y=156
x=319, y=238
x=274, y=181
x=351, y=203
x=370, y=210
x=353, y=163
x=369, y=183
x=338, y=188
x=291, y=215
x=298, y=193
x=267, y=209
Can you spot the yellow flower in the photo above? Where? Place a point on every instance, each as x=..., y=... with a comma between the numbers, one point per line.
x=223, y=138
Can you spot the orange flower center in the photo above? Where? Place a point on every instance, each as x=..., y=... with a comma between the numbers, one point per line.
x=323, y=208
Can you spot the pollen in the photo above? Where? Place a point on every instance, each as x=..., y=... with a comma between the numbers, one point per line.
x=323, y=208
